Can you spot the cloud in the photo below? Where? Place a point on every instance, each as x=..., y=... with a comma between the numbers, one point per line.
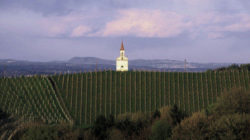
x=215, y=35
x=165, y=24
x=220, y=24
x=135, y=22
x=242, y=24
x=195, y=2
x=145, y=23
x=28, y=23
x=46, y=7
x=193, y=26
x=80, y=31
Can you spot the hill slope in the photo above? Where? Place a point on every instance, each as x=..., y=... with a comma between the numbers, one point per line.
x=33, y=98
x=88, y=95
x=82, y=97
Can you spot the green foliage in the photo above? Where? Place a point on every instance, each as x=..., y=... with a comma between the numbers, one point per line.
x=176, y=115
x=116, y=134
x=234, y=127
x=108, y=128
x=3, y=115
x=117, y=93
x=156, y=114
x=80, y=98
x=192, y=128
x=229, y=118
x=48, y=132
x=7, y=124
x=100, y=127
x=161, y=130
x=234, y=101
x=110, y=121
x=126, y=127
x=235, y=67
x=40, y=134
x=129, y=128
x=201, y=127
x=245, y=66
x=32, y=98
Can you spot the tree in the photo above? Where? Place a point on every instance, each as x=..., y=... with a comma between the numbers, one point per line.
x=156, y=115
x=99, y=129
x=131, y=128
x=161, y=130
x=126, y=127
x=176, y=115
x=234, y=101
x=234, y=127
x=192, y=128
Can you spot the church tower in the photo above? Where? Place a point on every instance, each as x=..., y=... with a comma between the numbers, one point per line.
x=122, y=60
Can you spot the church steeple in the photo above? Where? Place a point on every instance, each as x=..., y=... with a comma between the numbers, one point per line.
x=122, y=60
x=122, y=47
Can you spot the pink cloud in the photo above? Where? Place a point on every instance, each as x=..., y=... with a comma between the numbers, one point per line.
x=215, y=35
x=216, y=24
x=80, y=31
x=242, y=24
x=130, y=22
x=145, y=23
x=227, y=23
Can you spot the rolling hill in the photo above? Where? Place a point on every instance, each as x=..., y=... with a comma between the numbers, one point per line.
x=79, y=98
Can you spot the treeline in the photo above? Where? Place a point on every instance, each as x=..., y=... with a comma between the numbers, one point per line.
x=235, y=67
x=228, y=118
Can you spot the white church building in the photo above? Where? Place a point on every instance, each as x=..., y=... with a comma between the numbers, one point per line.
x=122, y=60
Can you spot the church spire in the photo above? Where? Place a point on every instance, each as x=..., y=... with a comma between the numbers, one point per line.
x=122, y=60
x=122, y=47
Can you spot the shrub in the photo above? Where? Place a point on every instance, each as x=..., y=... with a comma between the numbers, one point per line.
x=161, y=130
x=156, y=115
x=234, y=127
x=115, y=134
x=176, y=115
x=41, y=132
x=234, y=101
x=99, y=129
x=192, y=128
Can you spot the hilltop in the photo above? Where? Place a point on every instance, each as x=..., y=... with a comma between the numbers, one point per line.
x=10, y=67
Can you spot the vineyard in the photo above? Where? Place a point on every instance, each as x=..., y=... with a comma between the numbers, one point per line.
x=81, y=97
x=32, y=98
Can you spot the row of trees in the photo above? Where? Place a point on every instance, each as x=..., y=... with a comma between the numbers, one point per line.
x=235, y=67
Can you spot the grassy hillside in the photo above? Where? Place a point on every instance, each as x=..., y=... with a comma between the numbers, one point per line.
x=82, y=97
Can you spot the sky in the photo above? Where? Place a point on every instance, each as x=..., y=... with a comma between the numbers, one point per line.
x=196, y=30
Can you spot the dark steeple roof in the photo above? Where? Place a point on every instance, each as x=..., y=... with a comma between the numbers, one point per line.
x=122, y=47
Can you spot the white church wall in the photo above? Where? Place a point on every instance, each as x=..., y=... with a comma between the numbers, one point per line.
x=121, y=65
x=122, y=60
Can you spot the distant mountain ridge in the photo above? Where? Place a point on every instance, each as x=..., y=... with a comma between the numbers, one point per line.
x=90, y=60
x=12, y=67
x=154, y=63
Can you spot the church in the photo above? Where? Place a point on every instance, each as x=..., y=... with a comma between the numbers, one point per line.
x=122, y=60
